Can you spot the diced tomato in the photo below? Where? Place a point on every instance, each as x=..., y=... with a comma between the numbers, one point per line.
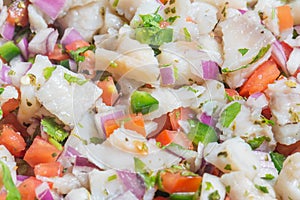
x=176, y=182
x=13, y=141
x=231, y=92
x=41, y=151
x=179, y=114
x=163, y=1
x=110, y=92
x=27, y=188
x=12, y=120
x=17, y=13
x=287, y=49
x=133, y=122
x=9, y=106
x=285, y=18
x=266, y=112
x=287, y=150
x=166, y=137
x=51, y=169
x=76, y=45
x=58, y=54
x=258, y=81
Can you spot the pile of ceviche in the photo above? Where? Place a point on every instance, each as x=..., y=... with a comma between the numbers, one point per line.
x=150, y=99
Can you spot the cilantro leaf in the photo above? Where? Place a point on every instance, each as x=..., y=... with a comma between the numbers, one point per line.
x=47, y=72
x=230, y=113
x=53, y=129
x=74, y=79
x=201, y=132
x=243, y=51
x=187, y=35
x=264, y=189
x=154, y=35
x=140, y=167
x=77, y=54
x=214, y=195
x=12, y=191
x=268, y=177
x=278, y=160
x=256, y=142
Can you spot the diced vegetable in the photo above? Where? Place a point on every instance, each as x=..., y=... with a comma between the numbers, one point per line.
x=77, y=44
x=265, y=74
x=17, y=13
x=179, y=182
x=183, y=196
x=6, y=180
x=278, y=160
x=53, y=129
x=154, y=35
x=50, y=169
x=41, y=152
x=133, y=122
x=27, y=188
x=230, y=113
x=110, y=92
x=9, y=50
x=9, y=106
x=201, y=132
x=285, y=18
x=58, y=54
x=143, y=102
x=166, y=137
x=13, y=141
x=179, y=114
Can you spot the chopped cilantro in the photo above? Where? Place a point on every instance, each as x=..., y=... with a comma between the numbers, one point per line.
x=1, y=90
x=278, y=160
x=268, y=177
x=264, y=189
x=209, y=186
x=112, y=177
x=96, y=140
x=222, y=153
x=149, y=178
x=74, y=79
x=230, y=113
x=7, y=181
x=47, y=72
x=77, y=54
x=187, y=35
x=256, y=142
x=214, y=196
x=227, y=188
x=53, y=129
x=115, y=3
x=228, y=167
x=201, y=132
x=243, y=51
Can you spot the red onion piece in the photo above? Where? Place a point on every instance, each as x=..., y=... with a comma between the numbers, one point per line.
x=4, y=77
x=70, y=35
x=73, y=65
x=256, y=95
x=108, y=116
x=43, y=192
x=206, y=119
x=71, y=152
x=50, y=7
x=133, y=182
x=51, y=41
x=23, y=46
x=242, y=11
x=210, y=70
x=279, y=56
x=167, y=75
x=82, y=164
x=22, y=178
x=7, y=31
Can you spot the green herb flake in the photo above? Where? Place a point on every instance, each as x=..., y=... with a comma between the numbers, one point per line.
x=47, y=72
x=74, y=79
x=214, y=196
x=295, y=34
x=187, y=35
x=54, y=155
x=263, y=189
x=256, y=142
x=243, y=51
x=227, y=188
x=142, y=170
x=268, y=177
x=12, y=191
x=96, y=140
x=228, y=167
x=53, y=129
x=209, y=186
x=223, y=154
x=1, y=90
x=201, y=132
x=278, y=160
x=230, y=113
x=115, y=3
x=77, y=54
x=112, y=177
x=1, y=113
x=11, y=72
x=171, y=20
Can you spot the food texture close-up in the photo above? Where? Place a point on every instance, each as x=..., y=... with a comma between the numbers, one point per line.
x=150, y=99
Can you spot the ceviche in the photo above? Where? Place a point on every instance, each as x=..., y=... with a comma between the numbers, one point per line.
x=150, y=99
